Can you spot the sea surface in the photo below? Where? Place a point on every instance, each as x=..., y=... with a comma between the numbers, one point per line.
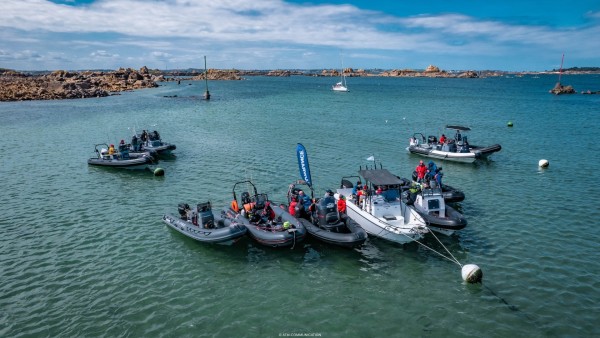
x=84, y=253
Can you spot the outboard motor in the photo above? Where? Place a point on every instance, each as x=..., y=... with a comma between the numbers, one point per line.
x=260, y=201
x=183, y=208
x=205, y=216
x=245, y=198
x=327, y=211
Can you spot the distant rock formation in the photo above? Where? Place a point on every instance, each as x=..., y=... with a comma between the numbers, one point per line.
x=279, y=72
x=560, y=89
x=218, y=74
x=468, y=74
x=62, y=84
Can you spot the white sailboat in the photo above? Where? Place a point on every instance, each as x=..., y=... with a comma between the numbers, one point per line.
x=341, y=86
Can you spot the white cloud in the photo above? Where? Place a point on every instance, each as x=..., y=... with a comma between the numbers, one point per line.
x=271, y=30
x=103, y=54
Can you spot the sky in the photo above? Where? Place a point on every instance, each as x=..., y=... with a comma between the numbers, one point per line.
x=506, y=35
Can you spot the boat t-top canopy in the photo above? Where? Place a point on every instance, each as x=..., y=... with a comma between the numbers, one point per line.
x=458, y=127
x=380, y=177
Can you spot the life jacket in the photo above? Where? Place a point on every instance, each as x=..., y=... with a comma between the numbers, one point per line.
x=234, y=206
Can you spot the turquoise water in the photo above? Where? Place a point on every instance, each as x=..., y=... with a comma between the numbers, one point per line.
x=84, y=252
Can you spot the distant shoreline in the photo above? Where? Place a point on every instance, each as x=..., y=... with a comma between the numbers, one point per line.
x=60, y=84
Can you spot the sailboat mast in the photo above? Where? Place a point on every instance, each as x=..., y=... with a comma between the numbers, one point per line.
x=561, y=65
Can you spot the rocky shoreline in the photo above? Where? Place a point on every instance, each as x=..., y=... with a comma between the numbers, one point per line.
x=60, y=84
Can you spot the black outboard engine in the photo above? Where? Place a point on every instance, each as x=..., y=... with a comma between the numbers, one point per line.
x=327, y=214
x=183, y=208
x=261, y=200
x=205, y=216
x=245, y=198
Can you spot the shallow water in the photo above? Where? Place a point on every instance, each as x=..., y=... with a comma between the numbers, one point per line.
x=84, y=252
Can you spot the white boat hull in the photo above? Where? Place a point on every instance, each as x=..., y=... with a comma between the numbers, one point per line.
x=392, y=225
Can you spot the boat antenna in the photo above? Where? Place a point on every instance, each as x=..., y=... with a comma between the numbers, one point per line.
x=206, y=93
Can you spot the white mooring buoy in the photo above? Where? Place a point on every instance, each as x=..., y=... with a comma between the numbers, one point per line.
x=543, y=163
x=471, y=273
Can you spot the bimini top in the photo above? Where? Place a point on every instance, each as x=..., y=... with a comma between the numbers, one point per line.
x=380, y=177
x=458, y=127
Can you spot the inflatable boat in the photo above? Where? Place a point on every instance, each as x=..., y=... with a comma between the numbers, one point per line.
x=119, y=159
x=267, y=224
x=457, y=149
x=202, y=225
x=429, y=203
x=324, y=222
x=152, y=143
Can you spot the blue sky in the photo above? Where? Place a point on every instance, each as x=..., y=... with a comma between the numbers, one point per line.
x=275, y=34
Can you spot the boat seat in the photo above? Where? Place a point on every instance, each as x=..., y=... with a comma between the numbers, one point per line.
x=389, y=217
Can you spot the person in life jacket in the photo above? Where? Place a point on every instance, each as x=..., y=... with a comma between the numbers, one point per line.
x=111, y=149
x=268, y=213
x=412, y=193
x=292, y=208
x=341, y=204
x=421, y=170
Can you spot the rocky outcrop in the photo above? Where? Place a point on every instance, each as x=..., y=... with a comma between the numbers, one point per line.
x=432, y=69
x=468, y=74
x=348, y=72
x=279, y=72
x=560, y=89
x=217, y=74
x=62, y=84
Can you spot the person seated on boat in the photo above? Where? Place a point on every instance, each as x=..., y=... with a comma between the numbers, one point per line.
x=267, y=213
x=292, y=207
x=378, y=191
x=413, y=141
x=421, y=170
x=144, y=136
x=443, y=139
x=111, y=149
x=412, y=194
x=155, y=135
x=328, y=193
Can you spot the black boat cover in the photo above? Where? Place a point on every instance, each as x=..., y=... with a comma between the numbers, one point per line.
x=380, y=177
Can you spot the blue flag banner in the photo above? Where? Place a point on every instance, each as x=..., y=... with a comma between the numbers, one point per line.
x=303, y=164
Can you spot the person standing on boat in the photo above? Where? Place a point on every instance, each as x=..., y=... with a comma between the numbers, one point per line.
x=356, y=188
x=292, y=208
x=341, y=205
x=438, y=176
x=421, y=170
x=443, y=139
x=431, y=171
x=144, y=136
x=304, y=201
